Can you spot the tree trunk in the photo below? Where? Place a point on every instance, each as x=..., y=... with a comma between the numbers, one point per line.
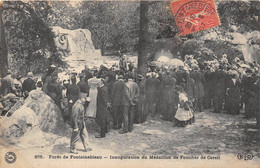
x=143, y=38
x=3, y=47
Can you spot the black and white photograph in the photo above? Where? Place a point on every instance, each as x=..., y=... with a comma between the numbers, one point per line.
x=130, y=83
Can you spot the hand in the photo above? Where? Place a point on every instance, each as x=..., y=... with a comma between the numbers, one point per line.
x=70, y=101
x=76, y=129
x=88, y=99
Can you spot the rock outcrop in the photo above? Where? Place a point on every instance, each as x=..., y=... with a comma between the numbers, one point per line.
x=39, y=111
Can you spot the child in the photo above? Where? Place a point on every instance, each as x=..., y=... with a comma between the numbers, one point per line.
x=184, y=114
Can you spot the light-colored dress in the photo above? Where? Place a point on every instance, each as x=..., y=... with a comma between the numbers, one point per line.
x=181, y=113
x=93, y=83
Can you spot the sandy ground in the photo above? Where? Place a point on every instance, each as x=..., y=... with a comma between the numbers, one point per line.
x=212, y=135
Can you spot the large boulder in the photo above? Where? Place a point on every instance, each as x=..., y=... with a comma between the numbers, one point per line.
x=76, y=47
x=38, y=111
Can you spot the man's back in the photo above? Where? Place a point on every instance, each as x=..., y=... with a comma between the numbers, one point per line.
x=73, y=92
x=117, y=93
x=84, y=88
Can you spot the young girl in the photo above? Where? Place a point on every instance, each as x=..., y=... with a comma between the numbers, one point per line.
x=184, y=114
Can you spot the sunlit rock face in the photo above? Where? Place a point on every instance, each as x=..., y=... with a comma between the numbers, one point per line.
x=76, y=47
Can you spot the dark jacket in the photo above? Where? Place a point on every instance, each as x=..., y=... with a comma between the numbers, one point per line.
x=73, y=92
x=233, y=89
x=102, y=101
x=117, y=93
x=168, y=94
x=152, y=86
x=83, y=86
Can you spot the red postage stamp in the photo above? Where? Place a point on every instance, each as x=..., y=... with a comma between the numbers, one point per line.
x=194, y=15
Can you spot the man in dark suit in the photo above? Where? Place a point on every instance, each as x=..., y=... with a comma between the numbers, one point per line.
x=102, y=109
x=130, y=100
x=78, y=126
x=28, y=84
x=117, y=102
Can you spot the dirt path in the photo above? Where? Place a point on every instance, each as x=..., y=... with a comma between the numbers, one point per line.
x=216, y=135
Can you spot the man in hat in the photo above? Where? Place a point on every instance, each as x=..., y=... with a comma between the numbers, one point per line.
x=130, y=100
x=28, y=84
x=7, y=84
x=78, y=126
x=117, y=102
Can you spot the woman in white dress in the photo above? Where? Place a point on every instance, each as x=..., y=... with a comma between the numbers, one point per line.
x=93, y=83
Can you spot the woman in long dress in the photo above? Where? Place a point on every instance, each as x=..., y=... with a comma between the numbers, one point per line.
x=93, y=83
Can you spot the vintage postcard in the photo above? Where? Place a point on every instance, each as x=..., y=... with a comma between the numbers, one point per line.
x=130, y=84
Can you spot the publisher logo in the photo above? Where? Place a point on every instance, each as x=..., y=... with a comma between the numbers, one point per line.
x=10, y=157
x=245, y=156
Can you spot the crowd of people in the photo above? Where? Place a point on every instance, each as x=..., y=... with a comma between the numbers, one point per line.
x=124, y=97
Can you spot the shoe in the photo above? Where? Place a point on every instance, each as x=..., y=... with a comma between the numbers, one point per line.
x=99, y=136
x=73, y=151
x=122, y=132
x=88, y=149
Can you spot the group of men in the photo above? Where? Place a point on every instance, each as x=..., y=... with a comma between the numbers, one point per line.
x=128, y=97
